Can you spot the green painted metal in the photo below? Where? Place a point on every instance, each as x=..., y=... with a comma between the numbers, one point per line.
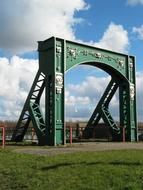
x=56, y=57
x=38, y=122
x=102, y=111
x=25, y=117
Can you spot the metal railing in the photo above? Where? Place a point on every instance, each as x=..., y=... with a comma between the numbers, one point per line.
x=3, y=134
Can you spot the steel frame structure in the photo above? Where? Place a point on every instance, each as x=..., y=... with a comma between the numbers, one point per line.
x=56, y=56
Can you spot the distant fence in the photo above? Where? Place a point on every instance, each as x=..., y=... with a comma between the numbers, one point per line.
x=77, y=133
x=98, y=133
x=2, y=134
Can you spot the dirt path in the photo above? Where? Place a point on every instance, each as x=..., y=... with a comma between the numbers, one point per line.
x=78, y=147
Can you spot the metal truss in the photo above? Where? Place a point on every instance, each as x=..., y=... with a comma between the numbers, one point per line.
x=56, y=57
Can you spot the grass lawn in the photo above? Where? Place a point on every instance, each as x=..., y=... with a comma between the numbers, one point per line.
x=77, y=171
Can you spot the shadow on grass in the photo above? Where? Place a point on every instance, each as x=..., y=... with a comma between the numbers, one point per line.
x=56, y=166
x=116, y=163
x=10, y=143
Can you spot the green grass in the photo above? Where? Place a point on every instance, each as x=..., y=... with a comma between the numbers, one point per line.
x=112, y=170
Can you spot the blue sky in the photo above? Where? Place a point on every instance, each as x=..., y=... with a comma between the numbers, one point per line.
x=115, y=25
x=102, y=13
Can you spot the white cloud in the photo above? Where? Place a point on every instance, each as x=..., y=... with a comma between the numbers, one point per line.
x=73, y=100
x=138, y=31
x=114, y=38
x=24, y=22
x=139, y=81
x=134, y=2
x=16, y=76
x=77, y=107
x=92, y=87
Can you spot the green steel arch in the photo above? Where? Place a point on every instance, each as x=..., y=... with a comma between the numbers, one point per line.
x=56, y=56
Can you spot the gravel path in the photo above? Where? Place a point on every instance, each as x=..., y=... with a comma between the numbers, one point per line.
x=78, y=147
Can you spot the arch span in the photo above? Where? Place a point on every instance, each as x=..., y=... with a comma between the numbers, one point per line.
x=114, y=73
x=102, y=108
